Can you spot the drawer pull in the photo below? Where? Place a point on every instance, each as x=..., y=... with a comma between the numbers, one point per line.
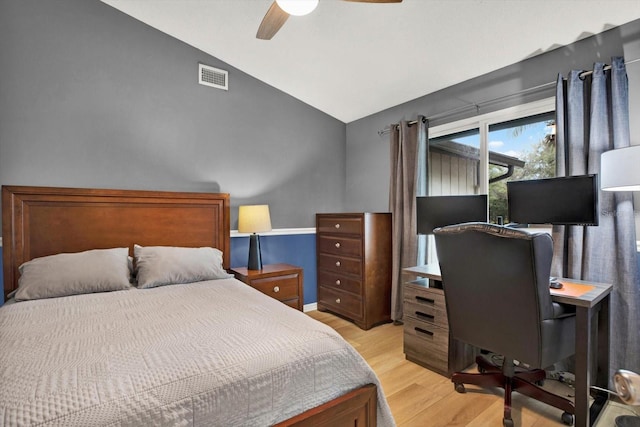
x=426, y=316
x=423, y=331
x=423, y=299
x=337, y=226
x=338, y=300
x=276, y=289
x=338, y=282
x=338, y=264
x=337, y=244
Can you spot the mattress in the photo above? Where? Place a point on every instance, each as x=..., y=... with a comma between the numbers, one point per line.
x=214, y=353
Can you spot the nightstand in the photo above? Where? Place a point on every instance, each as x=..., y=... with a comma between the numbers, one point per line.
x=280, y=281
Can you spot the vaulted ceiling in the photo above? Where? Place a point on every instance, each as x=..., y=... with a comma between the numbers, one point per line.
x=351, y=60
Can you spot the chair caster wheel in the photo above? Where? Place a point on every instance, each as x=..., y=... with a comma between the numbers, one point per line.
x=567, y=418
x=507, y=422
x=460, y=388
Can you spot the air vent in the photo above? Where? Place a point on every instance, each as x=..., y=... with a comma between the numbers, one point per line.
x=213, y=77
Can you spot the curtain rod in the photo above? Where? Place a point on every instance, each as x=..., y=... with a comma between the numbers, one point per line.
x=477, y=105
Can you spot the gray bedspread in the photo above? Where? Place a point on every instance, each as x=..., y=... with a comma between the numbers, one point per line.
x=214, y=353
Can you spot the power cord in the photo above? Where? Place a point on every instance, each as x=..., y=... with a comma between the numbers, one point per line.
x=564, y=377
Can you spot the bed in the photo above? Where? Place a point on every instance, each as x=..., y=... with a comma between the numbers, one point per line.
x=207, y=352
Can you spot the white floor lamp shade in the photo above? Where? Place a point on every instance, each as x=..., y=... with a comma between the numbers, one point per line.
x=620, y=169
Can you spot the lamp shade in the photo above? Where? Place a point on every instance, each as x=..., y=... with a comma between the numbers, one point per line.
x=254, y=219
x=619, y=169
x=297, y=7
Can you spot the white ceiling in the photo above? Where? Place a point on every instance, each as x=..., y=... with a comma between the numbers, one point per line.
x=354, y=59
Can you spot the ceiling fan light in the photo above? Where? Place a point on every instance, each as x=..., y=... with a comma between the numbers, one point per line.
x=297, y=7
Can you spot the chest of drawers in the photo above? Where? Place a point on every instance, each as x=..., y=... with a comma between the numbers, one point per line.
x=354, y=266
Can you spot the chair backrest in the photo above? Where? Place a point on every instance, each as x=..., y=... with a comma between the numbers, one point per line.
x=496, y=285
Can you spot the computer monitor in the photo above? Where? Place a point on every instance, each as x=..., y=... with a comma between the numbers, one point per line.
x=437, y=211
x=571, y=200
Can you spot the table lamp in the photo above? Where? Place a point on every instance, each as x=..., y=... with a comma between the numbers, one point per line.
x=254, y=219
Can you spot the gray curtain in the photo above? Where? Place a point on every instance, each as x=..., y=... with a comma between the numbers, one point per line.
x=406, y=142
x=592, y=116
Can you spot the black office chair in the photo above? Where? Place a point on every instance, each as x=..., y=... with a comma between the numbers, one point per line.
x=496, y=286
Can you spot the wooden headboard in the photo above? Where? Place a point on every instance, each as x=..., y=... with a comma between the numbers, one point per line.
x=41, y=221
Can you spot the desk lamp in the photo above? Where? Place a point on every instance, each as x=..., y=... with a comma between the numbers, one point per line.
x=619, y=172
x=254, y=219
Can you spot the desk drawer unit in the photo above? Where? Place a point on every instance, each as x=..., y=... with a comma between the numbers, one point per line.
x=426, y=344
x=354, y=266
x=426, y=305
x=427, y=341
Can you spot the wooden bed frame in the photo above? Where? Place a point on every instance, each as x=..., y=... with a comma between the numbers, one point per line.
x=41, y=221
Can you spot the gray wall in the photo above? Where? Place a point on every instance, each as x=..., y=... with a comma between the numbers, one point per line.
x=90, y=97
x=367, y=183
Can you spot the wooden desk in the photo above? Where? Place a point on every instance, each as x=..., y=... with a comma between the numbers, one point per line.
x=588, y=306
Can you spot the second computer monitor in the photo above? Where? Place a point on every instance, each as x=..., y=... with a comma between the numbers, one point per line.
x=437, y=211
x=571, y=200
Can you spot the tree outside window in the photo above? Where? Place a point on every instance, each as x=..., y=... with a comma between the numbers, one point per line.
x=531, y=140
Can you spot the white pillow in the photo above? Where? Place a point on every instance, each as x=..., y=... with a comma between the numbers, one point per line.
x=97, y=270
x=167, y=265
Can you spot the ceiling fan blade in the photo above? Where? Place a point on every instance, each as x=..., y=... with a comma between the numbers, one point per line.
x=272, y=22
x=375, y=1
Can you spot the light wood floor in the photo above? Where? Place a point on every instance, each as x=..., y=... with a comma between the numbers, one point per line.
x=421, y=398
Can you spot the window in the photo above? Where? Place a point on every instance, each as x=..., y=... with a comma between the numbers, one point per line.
x=518, y=150
x=470, y=156
x=454, y=164
x=480, y=154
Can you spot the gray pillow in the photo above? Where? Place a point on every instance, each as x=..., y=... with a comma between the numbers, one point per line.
x=167, y=265
x=97, y=270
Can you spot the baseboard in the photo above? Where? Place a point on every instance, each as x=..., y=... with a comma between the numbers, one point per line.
x=310, y=307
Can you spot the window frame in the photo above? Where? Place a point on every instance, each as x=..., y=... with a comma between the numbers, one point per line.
x=482, y=123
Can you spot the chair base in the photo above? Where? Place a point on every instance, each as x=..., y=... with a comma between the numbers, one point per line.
x=522, y=381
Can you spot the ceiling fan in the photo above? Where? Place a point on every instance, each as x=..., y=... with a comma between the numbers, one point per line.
x=281, y=9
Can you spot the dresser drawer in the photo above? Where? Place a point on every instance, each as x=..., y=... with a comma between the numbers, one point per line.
x=426, y=305
x=430, y=314
x=340, y=264
x=339, y=281
x=341, y=302
x=281, y=288
x=424, y=296
x=340, y=245
x=339, y=225
x=426, y=344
